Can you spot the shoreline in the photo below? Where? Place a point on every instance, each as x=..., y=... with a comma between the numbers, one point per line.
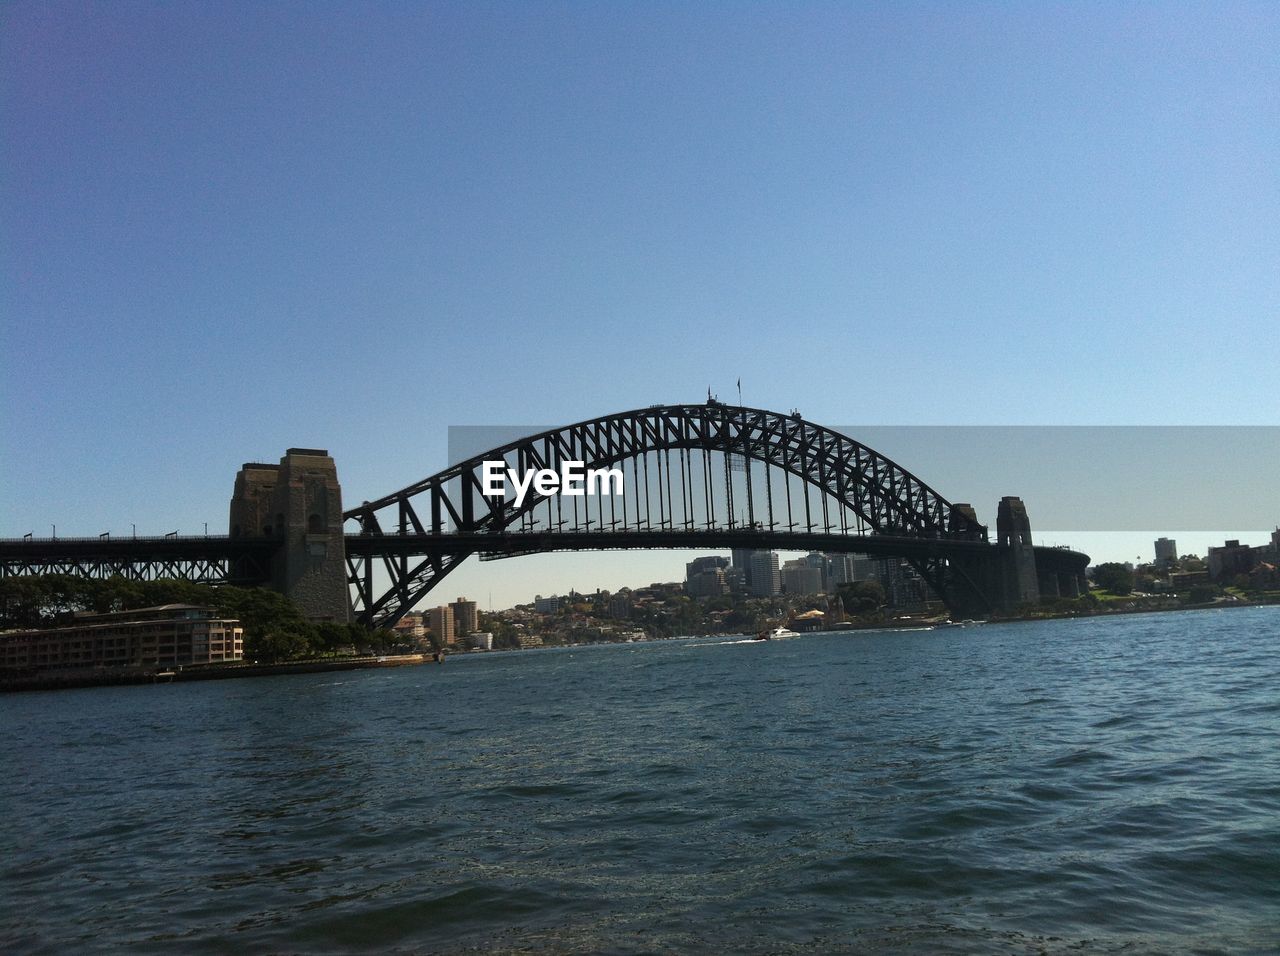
x=1117, y=612
x=134, y=676
x=131, y=676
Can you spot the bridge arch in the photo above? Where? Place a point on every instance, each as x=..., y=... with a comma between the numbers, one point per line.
x=416, y=536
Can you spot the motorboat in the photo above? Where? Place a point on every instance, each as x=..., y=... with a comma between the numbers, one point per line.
x=778, y=633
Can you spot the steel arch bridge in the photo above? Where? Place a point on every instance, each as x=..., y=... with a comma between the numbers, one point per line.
x=710, y=475
x=706, y=475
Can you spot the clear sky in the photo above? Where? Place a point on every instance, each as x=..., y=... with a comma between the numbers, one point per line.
x=231, y=228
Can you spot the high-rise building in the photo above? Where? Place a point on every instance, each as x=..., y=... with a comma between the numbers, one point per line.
x=822, y=564
x=704, y=577
x=710, y=562
x=765, y=580
x=708, y=583
x=1166, y=551
x=742, y=560
x=798, y=577
x=848, y=568
x=903, y=586
x=466, y=617
x=441, y=623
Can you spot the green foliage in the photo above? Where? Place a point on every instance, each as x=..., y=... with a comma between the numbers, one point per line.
x=744, y=619
x=1114, y=577
x=277, y=645
x=22, y=603
x=1201, y=594
x=862, y=597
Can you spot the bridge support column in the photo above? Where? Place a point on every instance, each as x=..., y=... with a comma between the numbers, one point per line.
x=298, y=503
x=1013, y=529
x=1047, y=583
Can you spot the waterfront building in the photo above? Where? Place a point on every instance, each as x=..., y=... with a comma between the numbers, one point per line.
x=480, y=640
x=170, y=635
x=814, y=620
x=442, y=625
x=466, y=617
x=1166, y=551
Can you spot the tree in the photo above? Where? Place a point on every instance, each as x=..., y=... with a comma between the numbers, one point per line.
x=1201, y=594
x=276, y=645
x=861, y=597
x=274, y=628
x=1113, y=577
x=22, y=602
x=118, y=593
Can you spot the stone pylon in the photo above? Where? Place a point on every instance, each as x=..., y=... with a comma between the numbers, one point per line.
x=299, y=503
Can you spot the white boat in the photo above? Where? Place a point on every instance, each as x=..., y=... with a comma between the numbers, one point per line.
x=780, y=632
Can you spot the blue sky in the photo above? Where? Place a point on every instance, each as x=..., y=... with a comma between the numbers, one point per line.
x=232, y=228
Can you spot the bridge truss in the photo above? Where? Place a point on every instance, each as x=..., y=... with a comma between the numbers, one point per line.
x=706, y=475
x=207, y=559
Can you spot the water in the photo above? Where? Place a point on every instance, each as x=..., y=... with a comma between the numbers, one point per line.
x=1096, y=785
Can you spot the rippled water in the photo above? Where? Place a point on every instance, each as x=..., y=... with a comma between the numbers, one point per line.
x=1089, y=785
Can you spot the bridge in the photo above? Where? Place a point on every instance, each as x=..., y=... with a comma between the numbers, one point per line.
x=698, y=476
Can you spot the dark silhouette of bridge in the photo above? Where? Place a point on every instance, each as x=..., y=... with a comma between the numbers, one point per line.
x=704, y=476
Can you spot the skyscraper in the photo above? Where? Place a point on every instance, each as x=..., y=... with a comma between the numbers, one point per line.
x=466, y=617
x=765, y=579
x=441, y=623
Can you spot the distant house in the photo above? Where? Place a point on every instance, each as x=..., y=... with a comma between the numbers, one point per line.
x=1265, y=576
